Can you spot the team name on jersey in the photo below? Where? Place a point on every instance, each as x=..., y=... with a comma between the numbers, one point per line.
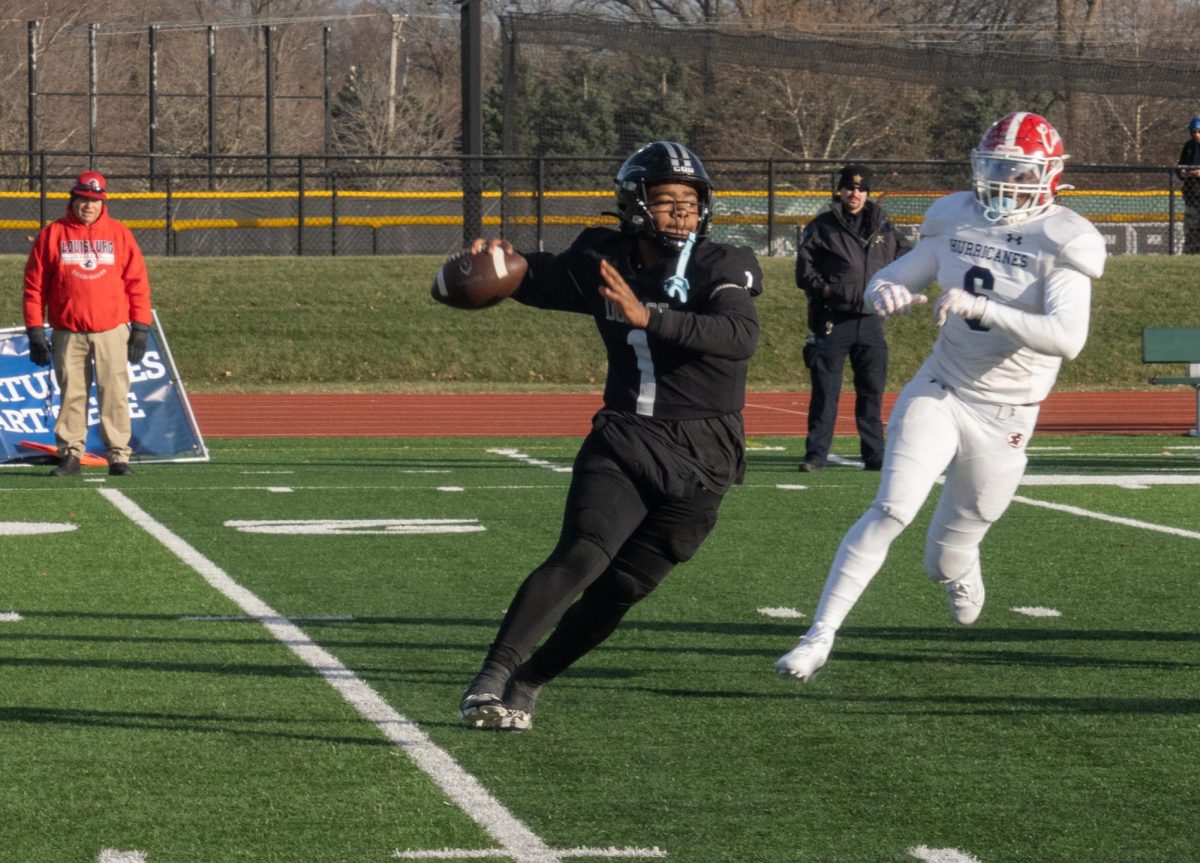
x=612, y=313
x=984, y=252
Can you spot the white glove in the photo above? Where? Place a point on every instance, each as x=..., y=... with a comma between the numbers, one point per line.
x=956, y=301
x=892, y=299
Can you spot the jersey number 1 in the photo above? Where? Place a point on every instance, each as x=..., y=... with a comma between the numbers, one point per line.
x=648, y=387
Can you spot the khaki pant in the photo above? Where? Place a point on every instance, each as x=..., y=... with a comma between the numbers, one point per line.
x=77, y=358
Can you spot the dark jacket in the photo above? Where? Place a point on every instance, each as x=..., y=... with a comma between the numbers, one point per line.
x=1190, y=156
x=834, y=264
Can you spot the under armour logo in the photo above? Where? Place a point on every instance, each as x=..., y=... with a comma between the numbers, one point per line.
x=1015, y=439
x=1013, y=238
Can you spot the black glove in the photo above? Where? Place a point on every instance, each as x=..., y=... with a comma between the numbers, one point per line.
x=138, y=334
x=39, y=346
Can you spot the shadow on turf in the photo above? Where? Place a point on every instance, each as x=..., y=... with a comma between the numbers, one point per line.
x=175, y=722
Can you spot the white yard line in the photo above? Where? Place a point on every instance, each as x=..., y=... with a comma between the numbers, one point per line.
x=517, y=841
x=1115, y=519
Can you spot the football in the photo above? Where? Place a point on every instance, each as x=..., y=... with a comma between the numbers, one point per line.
x=477, y=280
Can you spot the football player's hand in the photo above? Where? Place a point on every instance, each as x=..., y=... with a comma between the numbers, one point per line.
x=480, y=244
x=891, y=299
x=137, y=342
x=617, y=291
x=39, y=346
x=956, y=301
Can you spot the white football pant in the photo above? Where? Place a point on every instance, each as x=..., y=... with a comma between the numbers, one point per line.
x=981, y=449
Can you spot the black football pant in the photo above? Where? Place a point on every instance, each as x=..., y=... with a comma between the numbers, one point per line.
x=1191, y=230
x=862, y=340
x=618, y=542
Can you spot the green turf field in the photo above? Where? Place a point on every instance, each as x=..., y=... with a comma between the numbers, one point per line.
x=144, y=719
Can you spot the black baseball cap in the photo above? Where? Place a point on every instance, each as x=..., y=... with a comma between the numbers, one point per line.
x=855, y=176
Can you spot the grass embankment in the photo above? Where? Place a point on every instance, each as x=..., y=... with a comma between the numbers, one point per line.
x=368, y=324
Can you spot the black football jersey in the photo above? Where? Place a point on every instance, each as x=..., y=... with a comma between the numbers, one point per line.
x=691, y=360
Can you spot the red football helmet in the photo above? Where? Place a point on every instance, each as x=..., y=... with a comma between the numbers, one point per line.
x=1017, y=166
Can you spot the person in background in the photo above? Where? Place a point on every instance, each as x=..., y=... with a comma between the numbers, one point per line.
x=839, y=251
x=675, y=311
x=86, y=273
x=1188, y=170
x=1015, y=271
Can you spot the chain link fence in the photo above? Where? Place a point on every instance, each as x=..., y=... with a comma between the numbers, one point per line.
x=327, y=205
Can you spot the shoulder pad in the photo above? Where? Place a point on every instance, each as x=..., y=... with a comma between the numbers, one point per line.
x=1081, y=246
x=596, y=238
x=731, y=265
x=948, y=213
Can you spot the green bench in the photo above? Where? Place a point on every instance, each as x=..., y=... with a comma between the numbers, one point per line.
x=1175, y=345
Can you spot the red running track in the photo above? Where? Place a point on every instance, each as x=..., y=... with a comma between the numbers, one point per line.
x=502, y=414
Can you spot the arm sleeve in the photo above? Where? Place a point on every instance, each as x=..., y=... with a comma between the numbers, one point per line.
x=34, y=299
x=915, y=270
x=137, y=282
x=727, y=325
x=807, y=277
x=551, y=283
x=1185, y=158
x=1062, y=330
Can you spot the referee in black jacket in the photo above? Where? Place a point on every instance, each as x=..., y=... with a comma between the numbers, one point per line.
x=840, y=249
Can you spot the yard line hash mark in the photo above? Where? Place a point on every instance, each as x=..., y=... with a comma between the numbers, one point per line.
x=566, y=853
x=530, y=460
x=517, y=841
x=32, y=528
x=1114, y=519
x=356, y=526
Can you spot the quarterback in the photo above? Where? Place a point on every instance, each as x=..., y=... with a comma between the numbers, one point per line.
x=675, y=311
x=1015, y=271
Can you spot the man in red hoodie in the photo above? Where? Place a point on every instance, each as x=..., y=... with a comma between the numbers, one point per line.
x=87, y=272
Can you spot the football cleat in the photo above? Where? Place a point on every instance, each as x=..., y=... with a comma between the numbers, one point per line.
x=481, y=710
x=515, y=720
x=966, y=597
x=519, y=698
x=805, y=659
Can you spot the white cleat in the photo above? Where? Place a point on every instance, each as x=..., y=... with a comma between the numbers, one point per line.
x=805, y=659
x=966, y=597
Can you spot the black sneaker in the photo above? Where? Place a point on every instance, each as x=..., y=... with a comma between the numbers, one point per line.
x=812, y=465
x=120, y=468
x=68, y=466
x=519, y=698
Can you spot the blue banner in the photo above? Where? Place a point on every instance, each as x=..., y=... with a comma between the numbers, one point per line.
x=164, y=428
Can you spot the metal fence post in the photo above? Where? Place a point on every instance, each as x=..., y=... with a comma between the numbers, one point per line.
x=152, y=99
x=333, y=214
x=770, y=207
x=1170, y=212
x=42, y=186
x=91, y=94
x=169, y=238
x=300, y=206
x=31, y=98
x=539, y=193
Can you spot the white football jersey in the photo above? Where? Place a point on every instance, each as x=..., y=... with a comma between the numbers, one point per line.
x=1036, y=274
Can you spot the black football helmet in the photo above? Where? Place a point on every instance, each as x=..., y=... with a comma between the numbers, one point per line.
x=660, y=162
